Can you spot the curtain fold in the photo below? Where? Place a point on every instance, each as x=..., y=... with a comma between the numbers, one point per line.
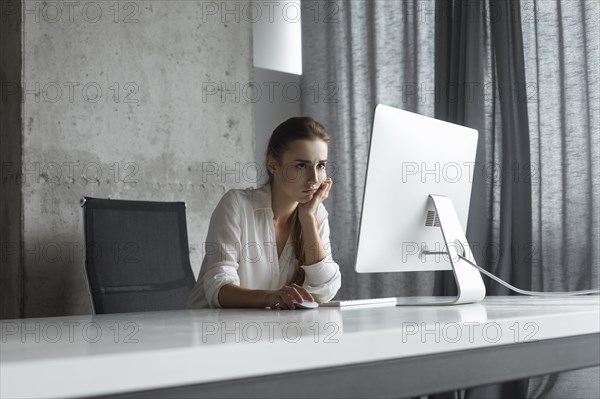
x=514, y=264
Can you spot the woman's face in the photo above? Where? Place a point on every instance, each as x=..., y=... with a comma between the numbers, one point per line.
x=301, y=169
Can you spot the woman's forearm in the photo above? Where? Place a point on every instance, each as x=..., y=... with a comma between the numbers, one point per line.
x=313, y=248
x=233, y=296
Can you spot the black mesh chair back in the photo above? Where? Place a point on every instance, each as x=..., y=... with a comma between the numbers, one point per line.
x=137, y=256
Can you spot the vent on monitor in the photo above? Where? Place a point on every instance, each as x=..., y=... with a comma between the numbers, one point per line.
x=432, y=219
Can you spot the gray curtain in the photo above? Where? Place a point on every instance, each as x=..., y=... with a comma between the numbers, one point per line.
x=525, y=75
x=562, y=53
x=562, y=50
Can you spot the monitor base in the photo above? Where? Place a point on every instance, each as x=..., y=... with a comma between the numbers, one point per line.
x=468, y=279
x=425, y=300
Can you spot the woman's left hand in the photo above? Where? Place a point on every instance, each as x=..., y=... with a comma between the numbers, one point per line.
x=310, y=208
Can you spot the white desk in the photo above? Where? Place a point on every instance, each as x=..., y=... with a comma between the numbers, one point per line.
x=401, y=351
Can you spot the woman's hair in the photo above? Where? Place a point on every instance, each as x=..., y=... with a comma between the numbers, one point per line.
x=297, y=128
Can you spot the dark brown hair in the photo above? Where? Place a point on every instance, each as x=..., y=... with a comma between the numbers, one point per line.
x=297, y=128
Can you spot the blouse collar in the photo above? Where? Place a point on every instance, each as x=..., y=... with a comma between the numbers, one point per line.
x=261, y=197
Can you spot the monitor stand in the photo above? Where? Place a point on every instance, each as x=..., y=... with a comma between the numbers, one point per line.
x=468, y=279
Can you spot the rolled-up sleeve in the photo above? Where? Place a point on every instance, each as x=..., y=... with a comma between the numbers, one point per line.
x=220, y=266
x=323, y=279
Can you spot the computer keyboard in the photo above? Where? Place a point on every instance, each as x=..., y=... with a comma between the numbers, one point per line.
x=361, y=302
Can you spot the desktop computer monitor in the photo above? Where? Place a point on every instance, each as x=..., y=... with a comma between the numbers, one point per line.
x=416, y=199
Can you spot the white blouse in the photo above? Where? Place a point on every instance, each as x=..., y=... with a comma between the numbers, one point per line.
x=241, y=249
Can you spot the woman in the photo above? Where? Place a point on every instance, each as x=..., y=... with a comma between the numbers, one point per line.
x=269, y=247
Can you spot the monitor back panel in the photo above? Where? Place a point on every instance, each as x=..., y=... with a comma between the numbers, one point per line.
x=410, y=157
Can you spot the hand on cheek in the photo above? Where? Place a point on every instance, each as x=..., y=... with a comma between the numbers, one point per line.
x=310, y=207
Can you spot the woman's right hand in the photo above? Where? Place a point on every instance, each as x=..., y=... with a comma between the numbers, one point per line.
x=285, y=297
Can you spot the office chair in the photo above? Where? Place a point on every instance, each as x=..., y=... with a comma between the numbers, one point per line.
x=136, y=255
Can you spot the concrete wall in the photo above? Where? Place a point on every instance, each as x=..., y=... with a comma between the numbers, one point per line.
x=134, y=102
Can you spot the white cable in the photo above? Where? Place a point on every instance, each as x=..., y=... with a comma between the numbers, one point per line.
x=525, y=292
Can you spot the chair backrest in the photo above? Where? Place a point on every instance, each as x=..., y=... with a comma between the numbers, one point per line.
x=137, y=256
